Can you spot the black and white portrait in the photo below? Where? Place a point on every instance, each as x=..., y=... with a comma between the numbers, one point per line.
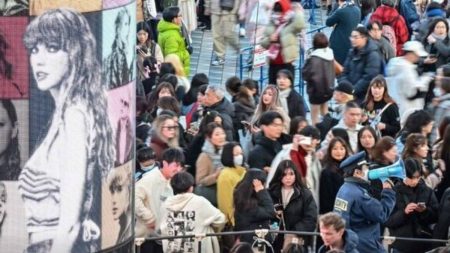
x=13, y=137
x=14, y=8
x=118, y=45
x=60, y=184
x=116, y=206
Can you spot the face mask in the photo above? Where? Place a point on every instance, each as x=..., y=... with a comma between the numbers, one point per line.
x=148, y=168
x=238, y=160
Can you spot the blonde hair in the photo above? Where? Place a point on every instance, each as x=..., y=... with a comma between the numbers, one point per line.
x=176, y=63
x=157, y=129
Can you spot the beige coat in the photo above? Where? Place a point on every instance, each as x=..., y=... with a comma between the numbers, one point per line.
x=151, y=192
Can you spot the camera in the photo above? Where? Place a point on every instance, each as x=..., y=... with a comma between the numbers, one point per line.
x=278, y=207
x=142, y=49
x=151, y=63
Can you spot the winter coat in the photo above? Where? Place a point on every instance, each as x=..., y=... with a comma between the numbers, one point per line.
x=441, y=228
x=296, y=104
x=256, y=218
x=364, y=214
x=288, y=39
x=390, y=16
x=331, y=179
x=226, y=110
x=214, y=7
x=360, y=67
x=171, y=41
x=440, y=111
x=300, y=213
x=441, y=49
x=351, y=242
x=193, y=152
x=189, y=214
x=404, y=83
x=264, y=151
x=390, y=117
x=189, y=12
x=243, y=111
x=410, y=225
x=158, y=146
x=344, y=20
x=226, y=182
x=386, y=50
x=319, y=74
x=151, y=192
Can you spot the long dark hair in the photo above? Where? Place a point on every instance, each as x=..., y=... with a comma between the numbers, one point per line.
x=244, y=194
x=12, y=153
x=328, y=160
x=372, y=132
x=285, y=165
x=378, y=81
x=6, y=68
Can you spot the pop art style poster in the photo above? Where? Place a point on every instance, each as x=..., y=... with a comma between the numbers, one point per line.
x=13, y=8
x=13, y=58
x=119, y=66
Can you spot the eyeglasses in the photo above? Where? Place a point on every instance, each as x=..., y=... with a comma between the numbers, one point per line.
x=355, y=37
x=171, y=127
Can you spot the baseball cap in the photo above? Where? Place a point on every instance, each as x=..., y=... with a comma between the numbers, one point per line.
x=415, y=47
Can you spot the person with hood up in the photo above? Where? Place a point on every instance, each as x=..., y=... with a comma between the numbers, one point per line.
x=404, y=84
x=186, y=213
x=170, y=37
x=280, y=38
x=363, y=62
x=335, y=236
x=388, y=15
x=319, y=74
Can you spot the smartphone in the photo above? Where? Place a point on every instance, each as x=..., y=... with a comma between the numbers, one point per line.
x=278, y=207
x=432, y=56
x=421, y=204
x=305, y=140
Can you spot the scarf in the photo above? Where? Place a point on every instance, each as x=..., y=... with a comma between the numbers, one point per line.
x=284, y=94
x=439, y=37
x=213, y=154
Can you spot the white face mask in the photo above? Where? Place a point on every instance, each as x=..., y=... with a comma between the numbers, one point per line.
x=437, y=92
x=148, y=168
x=238, y=160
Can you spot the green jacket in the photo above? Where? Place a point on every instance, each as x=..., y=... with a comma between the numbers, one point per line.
x=172, y=42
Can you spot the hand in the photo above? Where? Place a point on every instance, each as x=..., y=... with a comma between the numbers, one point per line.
x=431, y=39
x=255, y=129
x=387, y=184
x=266, y=169
x=296, y=141
x=420, y=208
x=151, y=225
x=381, y=126
x=430, y=60
x=217, y=173
x=411, y=207
x=257, y=185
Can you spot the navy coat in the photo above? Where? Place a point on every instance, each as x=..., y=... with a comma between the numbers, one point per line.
x=363, y=213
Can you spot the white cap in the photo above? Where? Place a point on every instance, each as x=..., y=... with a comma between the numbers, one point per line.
x=416, y=47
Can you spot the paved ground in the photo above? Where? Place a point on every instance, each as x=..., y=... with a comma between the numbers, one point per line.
x=203, y=53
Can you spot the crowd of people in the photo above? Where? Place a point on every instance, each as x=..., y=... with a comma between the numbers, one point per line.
x=244, y=156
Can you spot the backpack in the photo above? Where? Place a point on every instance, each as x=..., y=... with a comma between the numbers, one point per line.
x=389, y=33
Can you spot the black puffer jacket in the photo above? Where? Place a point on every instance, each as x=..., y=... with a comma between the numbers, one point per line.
x=265, y=150
x=300, y=214
x=256, y=218
x=410, y=225
x=361, y=66
x=319, y=74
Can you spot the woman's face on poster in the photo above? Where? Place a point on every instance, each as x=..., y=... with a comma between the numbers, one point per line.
x=50, y=65
x=7, y=131
x=120, y=197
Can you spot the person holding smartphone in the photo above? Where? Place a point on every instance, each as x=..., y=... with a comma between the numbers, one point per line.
x=416, y=208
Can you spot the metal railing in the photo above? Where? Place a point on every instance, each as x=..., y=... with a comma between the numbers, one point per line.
x=248, y=52
x=261, y=234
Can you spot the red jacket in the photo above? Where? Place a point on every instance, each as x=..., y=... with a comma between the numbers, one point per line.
x=387, y=15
